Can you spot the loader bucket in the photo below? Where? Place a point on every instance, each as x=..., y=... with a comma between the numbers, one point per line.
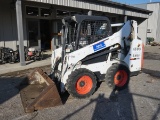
x=38, y=92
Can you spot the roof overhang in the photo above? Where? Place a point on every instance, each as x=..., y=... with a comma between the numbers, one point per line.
x=80, y=18
x=100, y=5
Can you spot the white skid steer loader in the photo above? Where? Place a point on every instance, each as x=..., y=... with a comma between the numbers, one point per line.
x=91, y=53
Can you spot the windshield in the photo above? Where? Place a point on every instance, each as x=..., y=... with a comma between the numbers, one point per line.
x=70, y=32
x=89, y=31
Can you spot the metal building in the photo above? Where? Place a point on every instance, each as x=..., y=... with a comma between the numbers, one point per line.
x=36, y=22
x=153, y=22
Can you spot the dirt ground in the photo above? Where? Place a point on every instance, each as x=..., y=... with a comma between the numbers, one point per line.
x=140, y=101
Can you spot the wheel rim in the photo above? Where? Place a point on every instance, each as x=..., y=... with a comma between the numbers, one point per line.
x=84, y=85
x=120, y=78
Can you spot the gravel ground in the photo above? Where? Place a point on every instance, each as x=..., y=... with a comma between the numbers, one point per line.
x=140, y=101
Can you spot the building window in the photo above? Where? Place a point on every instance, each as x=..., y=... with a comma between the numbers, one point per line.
x=32, y=11
x=72, y=13
x=113, y=20
x=62, y=13
x=45, y=12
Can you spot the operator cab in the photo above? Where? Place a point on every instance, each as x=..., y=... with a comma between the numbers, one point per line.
x=82, y=30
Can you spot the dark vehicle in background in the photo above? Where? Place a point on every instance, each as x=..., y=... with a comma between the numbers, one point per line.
x=8, y=55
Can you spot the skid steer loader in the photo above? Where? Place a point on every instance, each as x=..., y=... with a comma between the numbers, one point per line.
x=90, y=53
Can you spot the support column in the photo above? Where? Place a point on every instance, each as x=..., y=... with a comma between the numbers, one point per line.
x=20, y=31
x=125, y=18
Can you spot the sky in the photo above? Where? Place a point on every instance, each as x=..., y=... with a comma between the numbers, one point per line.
x=135, y=1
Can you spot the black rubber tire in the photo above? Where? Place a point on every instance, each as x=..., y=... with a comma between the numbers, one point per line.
x=111, y=72
x=41, y=55
x=9, y=60
x=74, y=77
x=28, y=58
x=34, y=58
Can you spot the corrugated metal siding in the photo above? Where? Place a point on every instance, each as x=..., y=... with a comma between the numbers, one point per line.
x=8, y=31
x=158, y=26
x=143, y=6
x=1, y=28
x=142, y=31
x=91, y=6
x=152, y=21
